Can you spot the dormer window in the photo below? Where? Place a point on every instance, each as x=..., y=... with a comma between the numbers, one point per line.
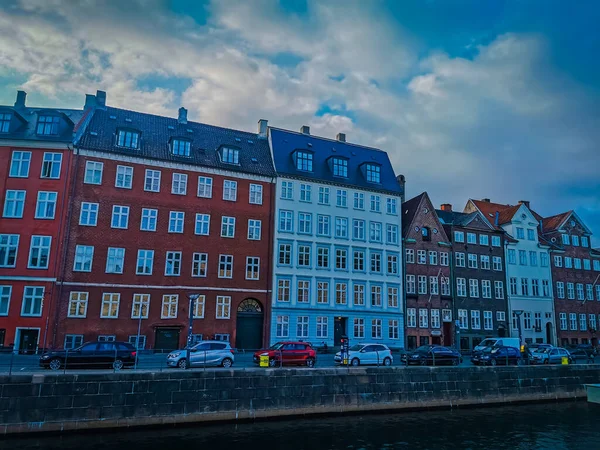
x=5, y=122
x=180, y=147
x=426, y=234
x=230, y=155
x=340, y=167
x=47, y=125
x=304, y=161
x=128, y=139
x=373, y=173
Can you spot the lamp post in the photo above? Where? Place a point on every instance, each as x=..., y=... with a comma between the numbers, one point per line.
x=518, y=313
x=193, y=298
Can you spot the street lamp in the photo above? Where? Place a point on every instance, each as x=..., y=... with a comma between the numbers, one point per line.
x=518, y=314
x=193, y=298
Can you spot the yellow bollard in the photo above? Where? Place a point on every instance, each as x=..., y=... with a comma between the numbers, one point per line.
x=264, y=361
x=564, y=361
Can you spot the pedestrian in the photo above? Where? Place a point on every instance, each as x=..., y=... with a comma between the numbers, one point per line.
x=590, y=355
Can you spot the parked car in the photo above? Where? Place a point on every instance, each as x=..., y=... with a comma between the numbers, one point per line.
x=536, y=347
x=552, y=355
x=585, y=353
x=497, y=356
x=489, y=343
x=205, y=353
x=433, y=355
x=367, y=354
x=91, y=355
x=288, y=353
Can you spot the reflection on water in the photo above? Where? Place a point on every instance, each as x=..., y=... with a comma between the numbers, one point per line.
x=572, y=425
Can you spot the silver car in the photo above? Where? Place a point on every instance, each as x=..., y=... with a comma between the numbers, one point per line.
x=552, y=355
x=205, y=353
x=365, y=354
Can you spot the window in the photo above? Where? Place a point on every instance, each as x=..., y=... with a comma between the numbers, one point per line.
x=115, y=260
x=283, y=290
x=230, y=190
x=575, y=240
x=286, y=221
x=522, y=257
x=392, y=234
x=359, y=328
x=546, y=288
x=473, y=288
x=500, y=316
x=533, y=258
x=587, y=265
x=341, y=198
x=460, y=259
x=14, y=204
x=225, y=266
x=393, y=329
x=323, y=292
x=580, y=292
x=485, y=262
x=93, y=172
x=499, y=289
x=199, y=264
x=544, y=260
x=140, y=306
x=433, y=285
x=473, y=261
x=202, y=227
x=376, y=326
x=444, y=259
x=341, y=227
x=496, y=241
x=19, y=164
x=5, y=122
x=323, y=225
x=304, y=161
x=152, y=181
x=573, y=321
x=39, y=252
x=230, y=155
x=47, y=125
x=138, y=342
x=252, y=268
x=303, y=291
x=463, y=319
x=597, y=265
x=256, y=194
x=375, y=229
x=421, y=257
x=445, y=286
x=475, y=319
x=128, y=139
x=124, y=177
x=375, y=262
x=254, y=229
x=563, y=321
x=373, y=173
x=322, y=327
x=340, y=167
x=305, y=193
x=488, y=323
x=524, y=286
x=73, y=341
x=410, y=256
x=461, y=287
x=180, y=147
x=324, y=195
x=530, y=234
x=392, y=264
x=471, y=238
x=411, y=314
x=513, y=286
x=5, y=293
x=78, y=302
x=84, y=254
x=589, y=292
x=423, y=318
x=358, y=229
x=568, y=262
x=287, y=190
x=304, y=223
x=341, y=259
x=375, y=203
x=51, y=165
x=223, y=307
x=376, y=296
x=359, y=295
x=283, y=326
x=205, y=185
x=341, y=291
x=149, y=218
x=110, y=306
x=176, y=219
x=179, y=184
x=535, y=287
x=571, y=291
x=422, y=284
x=598, y=292
x=560, y=289
x=169, y=306
x=392, y=293
x=359, y=261
x=227, y=227
x=435, y=318
x=173, y=264
x=323, y=257
x=410, y=284
x=46, y=205
x=359, y=200
x=582, y=320
x=486, y=288
x=392, y=206
x=120, y=216
x=145, y=261
x=565, y=239
x=304, y=255
x=520, y=233
x=484, y=239
x=497, y=263
x=592, y=318
x=558, y=262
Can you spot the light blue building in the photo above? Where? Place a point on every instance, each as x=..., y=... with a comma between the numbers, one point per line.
x=337, y=255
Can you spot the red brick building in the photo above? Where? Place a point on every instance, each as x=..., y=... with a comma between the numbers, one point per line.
x=35, y=157
x=162, y=209
x=575, y=275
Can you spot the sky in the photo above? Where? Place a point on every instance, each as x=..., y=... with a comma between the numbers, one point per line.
x=471, y=99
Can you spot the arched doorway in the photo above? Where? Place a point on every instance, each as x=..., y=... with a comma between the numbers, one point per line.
x=249, y=325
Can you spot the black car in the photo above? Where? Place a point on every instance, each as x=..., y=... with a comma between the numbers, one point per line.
x=91, y=355
x=432, y=355
x=583, y=353
x=497, y=356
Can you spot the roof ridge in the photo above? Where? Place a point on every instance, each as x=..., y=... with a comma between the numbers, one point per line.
x=328, y=139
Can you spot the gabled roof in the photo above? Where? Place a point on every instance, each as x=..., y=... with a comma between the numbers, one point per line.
x=489, y=210
x=284, y=143
x=25, y=119
x=409, y=210
x=455, y=218
x=156, y=133
x=553, y=223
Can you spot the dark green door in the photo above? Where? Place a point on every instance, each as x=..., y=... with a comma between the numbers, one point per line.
x=29, y=339
x=249, y=325
x=166, y=339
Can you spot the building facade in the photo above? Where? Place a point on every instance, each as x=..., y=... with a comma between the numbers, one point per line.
x=35, y=159
x=337, y=254
x=528, y=271
x=478, y=276
x=575, y=274
x=164, y=209
x=427, y=283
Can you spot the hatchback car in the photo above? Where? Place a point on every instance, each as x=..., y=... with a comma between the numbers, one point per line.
x=288, y=354
x=433, y=355
x=205, y=353
x=551, y=356
x=497, y=356
x=366, y=354
x=91, y=355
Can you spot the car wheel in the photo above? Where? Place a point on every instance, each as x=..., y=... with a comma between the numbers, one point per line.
x=117, y=364
x=227, y=362
x=493, y=362
x=455, y=362
x=55, y=364
x=182, y=363
x=310, y=362
x=387, y=361
x=355, y=362
x=272, y=363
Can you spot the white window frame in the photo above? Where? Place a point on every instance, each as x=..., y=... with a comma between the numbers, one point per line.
x=90, y=210
x=125, y=173
x=148, y=255
x=223, y=307
x=205, y=187
x=151, y=215
x=84, y=256
x=152, y=180
x=93, y=172
x=78, y=304
x=230, y=190
x=48, y=199
x=173, y=263
x=256, y=194
x=252, y=268
x=120, y=211
x=115, y=259
x=179, y=182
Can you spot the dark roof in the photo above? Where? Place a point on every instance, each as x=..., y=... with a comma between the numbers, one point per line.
x=156, y=133
x=454, y=217
x=285, y=143
x=25, y=118
x=409, y=209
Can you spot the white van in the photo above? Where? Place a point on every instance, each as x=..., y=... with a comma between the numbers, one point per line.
x=498, y=342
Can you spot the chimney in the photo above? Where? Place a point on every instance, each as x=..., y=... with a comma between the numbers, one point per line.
x=262, y=128
x=90, y=101
x=447, y=207
x=101, y=99
x=487, y=200
x=497, y=218
x=182, y=115
x=341, y=137
x=524, y=202
x=402, y=182
x=305, y=129
x=20, y=102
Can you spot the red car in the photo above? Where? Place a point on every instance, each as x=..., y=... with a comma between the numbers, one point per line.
x=288, y=354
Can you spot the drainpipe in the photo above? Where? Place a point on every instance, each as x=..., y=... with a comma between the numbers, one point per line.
x=452, y=294
x=267, y=318
x=403, y=290
x=508, y=293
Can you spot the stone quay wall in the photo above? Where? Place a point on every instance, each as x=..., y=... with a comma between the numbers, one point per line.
x=51, y=402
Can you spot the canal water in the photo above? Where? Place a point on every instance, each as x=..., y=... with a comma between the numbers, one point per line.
x=569, y=426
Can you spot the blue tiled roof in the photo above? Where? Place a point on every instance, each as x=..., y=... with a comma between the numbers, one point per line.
x=156, y=133
x=454, y=217
x=24, y=123
x=285, y=143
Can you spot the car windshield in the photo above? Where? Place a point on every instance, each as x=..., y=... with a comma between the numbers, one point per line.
x=487, y=343
x=542, y=350
x=423, y=349
x=356, y=348
x=276, y=346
